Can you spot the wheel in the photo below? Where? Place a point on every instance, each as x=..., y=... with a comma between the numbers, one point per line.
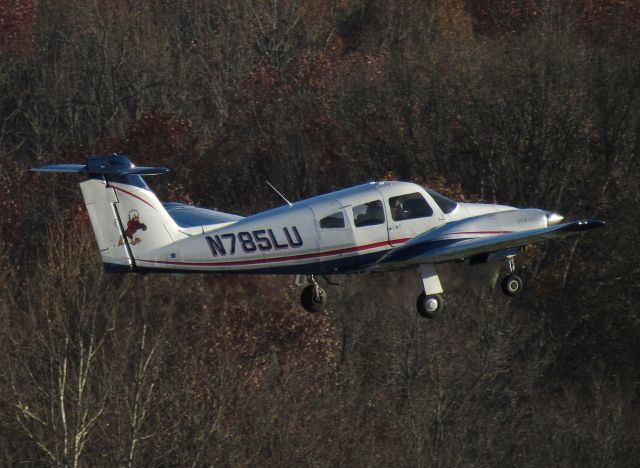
x=429, y=306
x=313, y=298
x=512, y=285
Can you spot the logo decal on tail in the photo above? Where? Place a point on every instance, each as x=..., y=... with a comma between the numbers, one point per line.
x=133, y=226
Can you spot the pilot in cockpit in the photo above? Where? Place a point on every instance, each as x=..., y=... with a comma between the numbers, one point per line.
x=397, y=210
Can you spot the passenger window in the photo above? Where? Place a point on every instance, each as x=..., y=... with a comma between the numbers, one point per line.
x=335, y=220
x=368, y=214
x=409, y=206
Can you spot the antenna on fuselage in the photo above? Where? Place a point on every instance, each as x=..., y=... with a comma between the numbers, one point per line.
x=276, y=190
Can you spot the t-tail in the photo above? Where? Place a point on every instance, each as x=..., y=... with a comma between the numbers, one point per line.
x=128, y=220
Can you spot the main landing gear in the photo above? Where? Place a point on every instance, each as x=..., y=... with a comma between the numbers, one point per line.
x=313, y=297
x=430, y=303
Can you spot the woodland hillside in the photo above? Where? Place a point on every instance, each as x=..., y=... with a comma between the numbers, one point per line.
x=522, y=102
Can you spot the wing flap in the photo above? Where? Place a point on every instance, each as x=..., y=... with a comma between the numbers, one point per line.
x=427, y=248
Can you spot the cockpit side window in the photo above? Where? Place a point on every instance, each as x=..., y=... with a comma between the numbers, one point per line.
x=334, y=220
x=446, y=205
x=368, y=214
x=409, y=206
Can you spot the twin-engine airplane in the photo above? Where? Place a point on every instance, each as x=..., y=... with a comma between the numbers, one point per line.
x=378, y=226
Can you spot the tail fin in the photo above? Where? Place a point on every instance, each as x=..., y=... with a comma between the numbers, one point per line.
x=128, y=220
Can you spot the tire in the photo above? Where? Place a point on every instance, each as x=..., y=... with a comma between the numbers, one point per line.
x=429, y=306
x=511, y=285
x=312, y=302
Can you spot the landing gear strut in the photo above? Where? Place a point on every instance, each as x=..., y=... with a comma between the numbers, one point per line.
x=313, y=297
x=512, y=283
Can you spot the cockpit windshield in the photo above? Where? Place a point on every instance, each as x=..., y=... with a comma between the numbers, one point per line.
x=446, y=205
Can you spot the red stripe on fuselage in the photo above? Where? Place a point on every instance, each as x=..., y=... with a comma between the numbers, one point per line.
x=478, y=232
x=259, y=261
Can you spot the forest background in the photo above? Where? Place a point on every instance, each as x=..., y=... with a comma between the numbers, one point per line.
x=523, y=102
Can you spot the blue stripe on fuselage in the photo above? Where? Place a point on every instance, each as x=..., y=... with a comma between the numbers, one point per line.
x=339, y=265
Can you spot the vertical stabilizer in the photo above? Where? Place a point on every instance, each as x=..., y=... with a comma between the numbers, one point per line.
x=146, y=227
x=128, y=220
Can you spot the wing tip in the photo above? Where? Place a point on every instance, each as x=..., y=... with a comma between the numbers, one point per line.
x=584, y=225
x=60, y=168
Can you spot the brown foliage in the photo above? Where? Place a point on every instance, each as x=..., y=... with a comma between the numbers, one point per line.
x=526, y=103
x=18, y=27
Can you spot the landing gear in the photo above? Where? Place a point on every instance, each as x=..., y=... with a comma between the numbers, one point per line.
x=512, y=283
x=313, y=297
x=429, y=306
x=429, y=303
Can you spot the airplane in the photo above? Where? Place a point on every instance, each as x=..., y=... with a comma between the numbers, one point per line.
x=376, y=226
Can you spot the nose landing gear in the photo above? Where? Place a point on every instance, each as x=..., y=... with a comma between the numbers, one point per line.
x=512, y=283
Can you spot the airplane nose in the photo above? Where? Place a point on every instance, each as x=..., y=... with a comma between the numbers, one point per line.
x=553, y=218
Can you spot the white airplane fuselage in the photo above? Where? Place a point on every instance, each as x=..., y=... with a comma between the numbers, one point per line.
x=292, y=239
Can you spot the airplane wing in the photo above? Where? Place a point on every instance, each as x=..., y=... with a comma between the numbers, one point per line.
x=435, y=247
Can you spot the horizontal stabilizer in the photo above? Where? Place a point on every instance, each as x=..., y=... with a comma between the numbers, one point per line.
x=67, y=168
x=144, y=171
x=100, y=164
